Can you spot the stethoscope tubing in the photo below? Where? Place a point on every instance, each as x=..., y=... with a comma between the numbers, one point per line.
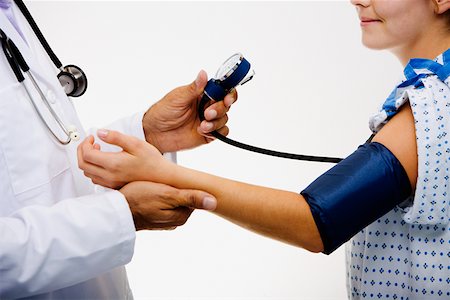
x=19, y=66
x=38, y=33
x=51, y=110
x=41, y=117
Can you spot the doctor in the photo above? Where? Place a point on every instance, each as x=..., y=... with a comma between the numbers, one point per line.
x=60, y=237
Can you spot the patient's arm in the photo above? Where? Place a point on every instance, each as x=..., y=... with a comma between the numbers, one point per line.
x=278, y=214
x=282, y=215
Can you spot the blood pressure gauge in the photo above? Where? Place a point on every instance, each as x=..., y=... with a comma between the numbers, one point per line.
x=233, y=72
x=228, y=68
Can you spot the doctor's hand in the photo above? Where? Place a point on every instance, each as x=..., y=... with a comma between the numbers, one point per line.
x=159, y=206
x=173, y=124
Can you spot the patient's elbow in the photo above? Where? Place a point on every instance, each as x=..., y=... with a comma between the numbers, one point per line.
x=315, y=245
x=312, y=242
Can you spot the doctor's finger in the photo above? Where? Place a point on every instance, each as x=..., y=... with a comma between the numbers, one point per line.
x=224, y=130
x=197, y=199
x=216, y=111
x=230, y=98
x=207, y=127
x=178, y=217
x=208, y=137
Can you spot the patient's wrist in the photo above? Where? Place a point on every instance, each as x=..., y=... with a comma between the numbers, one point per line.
x=174, y=175
x=162, y=172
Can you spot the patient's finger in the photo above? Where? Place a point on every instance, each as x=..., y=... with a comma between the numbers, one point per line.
x=127, y=142
x=101, y=159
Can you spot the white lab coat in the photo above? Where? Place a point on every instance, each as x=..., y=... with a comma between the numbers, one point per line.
x=58, y=238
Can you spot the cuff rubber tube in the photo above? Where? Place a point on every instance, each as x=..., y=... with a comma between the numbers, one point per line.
x=356, y=192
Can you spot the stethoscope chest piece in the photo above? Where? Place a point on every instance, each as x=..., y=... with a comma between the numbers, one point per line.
x=73, y=80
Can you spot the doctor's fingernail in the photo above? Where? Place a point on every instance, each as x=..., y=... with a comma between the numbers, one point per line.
x=198, y=79
x=102, y=133
x=209, y=203
x=211, y=114
x=229, y=101
x=207, y=126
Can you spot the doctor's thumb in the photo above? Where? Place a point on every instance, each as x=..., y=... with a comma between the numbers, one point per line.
x=200, y=82
x=198, y=200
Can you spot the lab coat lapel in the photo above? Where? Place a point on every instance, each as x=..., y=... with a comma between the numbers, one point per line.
x=11, y=32
x=25, y=49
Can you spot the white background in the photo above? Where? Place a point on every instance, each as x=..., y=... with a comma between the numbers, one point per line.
x=314, y=90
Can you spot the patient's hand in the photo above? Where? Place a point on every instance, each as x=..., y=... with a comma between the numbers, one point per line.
x=138, y=161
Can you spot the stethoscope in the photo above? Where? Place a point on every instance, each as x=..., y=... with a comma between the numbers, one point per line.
x=236, y=71
x=72, y=78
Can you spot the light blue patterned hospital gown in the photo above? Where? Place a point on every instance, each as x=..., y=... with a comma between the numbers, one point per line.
x=406, y=253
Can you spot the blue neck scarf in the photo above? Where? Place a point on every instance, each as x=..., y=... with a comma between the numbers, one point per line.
x=415, y=70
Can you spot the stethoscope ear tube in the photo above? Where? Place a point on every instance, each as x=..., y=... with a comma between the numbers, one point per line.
x=12, y=62
x=38, y=33
x=201, y=108
x=17, y=56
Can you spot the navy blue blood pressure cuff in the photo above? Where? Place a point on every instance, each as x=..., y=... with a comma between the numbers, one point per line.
x=356, y=192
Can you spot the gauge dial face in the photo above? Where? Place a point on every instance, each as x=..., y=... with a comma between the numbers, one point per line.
x=229, y=66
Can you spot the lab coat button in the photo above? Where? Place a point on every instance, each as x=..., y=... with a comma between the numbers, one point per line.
x=51, y=97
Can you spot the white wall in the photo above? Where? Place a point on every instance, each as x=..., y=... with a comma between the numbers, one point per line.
x=314, y=89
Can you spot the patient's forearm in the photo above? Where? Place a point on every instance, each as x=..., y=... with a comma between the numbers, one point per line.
x=281, y=215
